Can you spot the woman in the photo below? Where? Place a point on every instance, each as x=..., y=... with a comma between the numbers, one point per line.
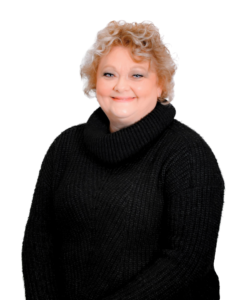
x=127, y=205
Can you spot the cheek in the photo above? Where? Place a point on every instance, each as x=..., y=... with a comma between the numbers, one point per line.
x=144, y=89
x=102, y=87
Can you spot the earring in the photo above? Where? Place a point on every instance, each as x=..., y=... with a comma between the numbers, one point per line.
x=163, y=100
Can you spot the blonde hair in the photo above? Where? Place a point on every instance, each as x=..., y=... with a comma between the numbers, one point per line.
x=145, y=43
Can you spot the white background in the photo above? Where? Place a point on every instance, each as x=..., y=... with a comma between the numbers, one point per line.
x=42, y=45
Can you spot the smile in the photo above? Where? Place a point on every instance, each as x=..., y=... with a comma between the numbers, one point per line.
x=123, y=99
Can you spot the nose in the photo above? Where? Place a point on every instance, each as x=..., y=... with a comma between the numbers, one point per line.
x=121, y=85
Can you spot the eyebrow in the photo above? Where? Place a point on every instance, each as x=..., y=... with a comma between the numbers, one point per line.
x=134, y=67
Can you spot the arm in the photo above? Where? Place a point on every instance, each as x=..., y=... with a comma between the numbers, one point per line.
x=192, y=220
x=38, y=265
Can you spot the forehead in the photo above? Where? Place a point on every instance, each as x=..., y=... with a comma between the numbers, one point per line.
x=119, y=56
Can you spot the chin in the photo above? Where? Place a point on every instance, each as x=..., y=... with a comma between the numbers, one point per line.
x=122, y=111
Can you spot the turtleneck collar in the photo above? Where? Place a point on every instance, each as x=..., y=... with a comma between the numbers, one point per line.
x=117, y=146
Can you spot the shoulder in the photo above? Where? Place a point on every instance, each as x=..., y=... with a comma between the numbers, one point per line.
x=186, y=139
x=190, y=158
x=69, y=137
x=66, y=147
x=66, y=142
x=186, y=135
x=70, y=133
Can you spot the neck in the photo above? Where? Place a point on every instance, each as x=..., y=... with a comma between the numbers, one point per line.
x=120, y=123
x=114, y=147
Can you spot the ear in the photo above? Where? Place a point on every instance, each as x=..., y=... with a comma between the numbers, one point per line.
x=159, y=87
x=159, y=91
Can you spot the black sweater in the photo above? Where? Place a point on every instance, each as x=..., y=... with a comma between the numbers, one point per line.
x=133, y=214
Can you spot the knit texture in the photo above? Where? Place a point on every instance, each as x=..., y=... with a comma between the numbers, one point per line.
x=133, y=214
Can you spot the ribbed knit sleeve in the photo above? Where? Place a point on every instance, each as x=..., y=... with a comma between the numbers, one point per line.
x=38, y=260
x=193, y=208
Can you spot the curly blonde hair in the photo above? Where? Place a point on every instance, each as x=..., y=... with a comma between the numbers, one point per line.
x=145, y=44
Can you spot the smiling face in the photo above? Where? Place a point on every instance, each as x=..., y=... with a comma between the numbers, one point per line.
x=126, y=91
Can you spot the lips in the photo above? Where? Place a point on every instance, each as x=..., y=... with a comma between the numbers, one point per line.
x=123, y=98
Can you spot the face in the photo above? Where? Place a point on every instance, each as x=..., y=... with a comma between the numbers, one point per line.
x=125, y=90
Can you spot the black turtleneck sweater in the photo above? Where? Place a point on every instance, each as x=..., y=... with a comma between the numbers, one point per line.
x=133, y=214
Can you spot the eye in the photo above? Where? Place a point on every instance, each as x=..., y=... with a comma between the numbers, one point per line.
x=106, y=74
x=138, y=75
